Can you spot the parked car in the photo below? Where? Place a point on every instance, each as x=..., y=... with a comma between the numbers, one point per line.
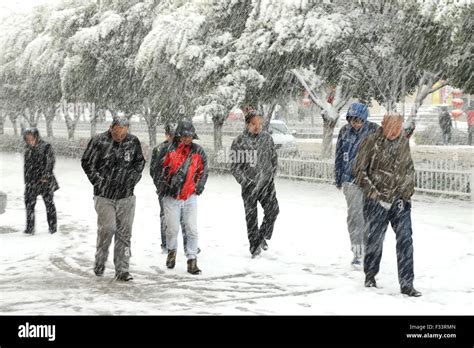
x=284, y=140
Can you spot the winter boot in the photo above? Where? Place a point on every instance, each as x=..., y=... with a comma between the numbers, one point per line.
x=192, y=267
x=370, y=282
x=356, y=262
x=256, y=252
x=410, y=291
x=123, y=276
x=99, y=270
x=171, y=260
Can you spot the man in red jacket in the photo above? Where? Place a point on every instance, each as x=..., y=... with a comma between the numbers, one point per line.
x=181, y=174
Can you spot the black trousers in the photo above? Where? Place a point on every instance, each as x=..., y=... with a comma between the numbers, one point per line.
x=378, y=218
x=269, y=203
x=30, y=203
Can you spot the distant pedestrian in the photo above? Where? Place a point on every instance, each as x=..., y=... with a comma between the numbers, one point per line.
x=39, y=179
x=446, y=124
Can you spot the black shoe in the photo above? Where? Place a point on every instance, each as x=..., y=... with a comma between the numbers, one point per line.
x=52, y=231
x=264, y=245
x=192, y=267
x=370, y=282
x=171, y=260
x=411, y=291
x=123, y=276
x=29, y=233
x=257, y=252
x=99, y=270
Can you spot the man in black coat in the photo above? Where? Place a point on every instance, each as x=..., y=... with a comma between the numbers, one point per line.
x=39, y=179
x=113, y=162
x=254, y=163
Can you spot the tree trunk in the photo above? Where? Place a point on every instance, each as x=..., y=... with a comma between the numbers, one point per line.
x=268, y=116
x=15, y=126
x=71, y=123
x=49, y=118
x=94, y=116
x=152, y=135
x=328, y=133
x=218, y=135
x=2, y=123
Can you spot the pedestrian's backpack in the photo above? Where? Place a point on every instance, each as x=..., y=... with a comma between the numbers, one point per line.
x=178, y=178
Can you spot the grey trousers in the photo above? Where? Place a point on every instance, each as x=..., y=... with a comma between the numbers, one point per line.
x=114, y=218
x=356, y=224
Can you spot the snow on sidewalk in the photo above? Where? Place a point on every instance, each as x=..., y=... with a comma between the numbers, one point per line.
x=306, y=270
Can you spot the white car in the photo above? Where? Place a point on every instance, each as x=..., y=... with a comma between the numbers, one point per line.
x=282, y=137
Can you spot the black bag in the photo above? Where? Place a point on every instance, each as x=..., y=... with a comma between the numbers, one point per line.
x=177, y=180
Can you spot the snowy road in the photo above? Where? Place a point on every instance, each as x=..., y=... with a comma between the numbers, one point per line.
x=306, y=270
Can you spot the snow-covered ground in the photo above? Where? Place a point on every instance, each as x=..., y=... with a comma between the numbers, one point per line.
x=306, y=270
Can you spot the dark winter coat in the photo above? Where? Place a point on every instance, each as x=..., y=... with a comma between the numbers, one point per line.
x=385, y=167
x=346, y=149
x=167, y=158
x=113, y=168
x=39, y=164
x=259, y=171
x=156, y=167
x=445, y=122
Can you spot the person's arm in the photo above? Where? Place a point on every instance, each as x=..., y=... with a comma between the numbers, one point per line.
x=274, y=158
x=202, y=172
x=50, y=161
x=156, y=165
x=361, y=168
x=88, y=161
x=138, y=162
x=236, y=168
x=407, y=185
x=338, y=162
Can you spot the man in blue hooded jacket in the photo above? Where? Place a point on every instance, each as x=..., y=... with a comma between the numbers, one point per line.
x=350, y=137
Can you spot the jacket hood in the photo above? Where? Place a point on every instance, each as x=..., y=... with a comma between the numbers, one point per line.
x=358, y=110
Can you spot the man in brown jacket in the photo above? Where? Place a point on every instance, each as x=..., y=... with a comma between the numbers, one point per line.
x=384, y=170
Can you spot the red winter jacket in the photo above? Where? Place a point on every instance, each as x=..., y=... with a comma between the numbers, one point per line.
x=171, y=158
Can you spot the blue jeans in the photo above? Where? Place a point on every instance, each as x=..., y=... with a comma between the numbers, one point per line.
x=181, y=212
x=399, y=215
x=163, y=227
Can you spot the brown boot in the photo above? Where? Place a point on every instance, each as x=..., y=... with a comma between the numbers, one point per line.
x=192, y=267
x=171, y=260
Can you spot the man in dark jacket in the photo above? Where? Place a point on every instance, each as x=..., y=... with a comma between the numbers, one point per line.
x=446, y=124
x=39, y=179
x=254, y=164
x=384, y=170
x=350, y=137
x=113, y=162
x=180, y=174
